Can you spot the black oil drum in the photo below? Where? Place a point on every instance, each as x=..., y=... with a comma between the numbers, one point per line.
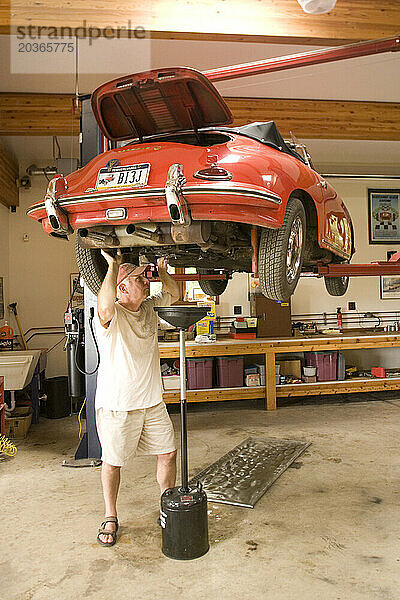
x=184, y=522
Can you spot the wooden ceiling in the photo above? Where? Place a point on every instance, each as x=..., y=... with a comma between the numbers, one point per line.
x=38, y=114
x=56, y=114
x=281, y=21
x=8, y=178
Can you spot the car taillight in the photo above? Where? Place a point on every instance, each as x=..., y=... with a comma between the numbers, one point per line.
x=213, y=173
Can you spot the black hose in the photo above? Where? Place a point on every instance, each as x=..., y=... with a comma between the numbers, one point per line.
x=97, y=350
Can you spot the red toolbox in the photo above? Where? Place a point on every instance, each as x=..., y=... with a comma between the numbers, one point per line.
x=378, y=372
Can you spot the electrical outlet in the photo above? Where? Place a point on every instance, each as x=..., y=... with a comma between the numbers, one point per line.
x=237, y=310
x=352, y=306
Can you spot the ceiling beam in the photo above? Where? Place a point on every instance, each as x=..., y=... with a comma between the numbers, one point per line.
x=56, y=114
x=38, y=114
x=280, y=21
x=324, y=119
x=8, y=178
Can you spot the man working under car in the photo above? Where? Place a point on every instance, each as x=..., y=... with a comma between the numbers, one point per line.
x=130, y=413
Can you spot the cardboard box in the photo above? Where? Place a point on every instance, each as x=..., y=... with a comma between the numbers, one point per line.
x=18, y=427
x=211, y=304
x=252, y=380
x=290, y=367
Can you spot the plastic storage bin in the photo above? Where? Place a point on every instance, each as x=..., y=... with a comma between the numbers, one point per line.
x=326, y=363
x=171, y=382
x=230, y=371
x=341, y=367
x=199, y=373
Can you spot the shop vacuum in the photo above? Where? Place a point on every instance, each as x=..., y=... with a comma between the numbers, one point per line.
x=183, y=514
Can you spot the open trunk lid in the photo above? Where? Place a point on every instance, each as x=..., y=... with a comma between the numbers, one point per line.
x=158, y=101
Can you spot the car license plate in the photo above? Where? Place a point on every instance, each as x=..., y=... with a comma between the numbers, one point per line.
x=123, y=177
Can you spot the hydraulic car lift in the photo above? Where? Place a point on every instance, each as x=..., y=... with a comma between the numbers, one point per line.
x=391, y=267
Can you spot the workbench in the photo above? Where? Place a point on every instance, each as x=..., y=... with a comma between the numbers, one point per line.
x=270, y=348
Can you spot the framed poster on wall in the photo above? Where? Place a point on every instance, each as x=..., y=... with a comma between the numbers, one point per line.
x=390, y=287
x=383, y=216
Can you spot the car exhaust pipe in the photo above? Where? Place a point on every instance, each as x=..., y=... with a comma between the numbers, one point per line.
x=198, y=232
x=154, y=236
x=151, y=234
x=88, y=238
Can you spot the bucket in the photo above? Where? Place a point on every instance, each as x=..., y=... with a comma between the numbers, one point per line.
x=58, y=403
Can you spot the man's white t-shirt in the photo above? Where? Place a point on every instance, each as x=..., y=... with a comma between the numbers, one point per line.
x=129, y=375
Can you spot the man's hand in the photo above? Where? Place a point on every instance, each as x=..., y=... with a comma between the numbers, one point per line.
x=112, y=260
x=162, y=263
x=168, y=283
x=108, y=291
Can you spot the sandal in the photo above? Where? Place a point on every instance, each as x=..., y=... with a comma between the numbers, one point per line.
x=104, y=531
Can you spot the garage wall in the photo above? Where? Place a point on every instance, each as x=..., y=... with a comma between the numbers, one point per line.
x=4, y=256
x=311, y=296
x=39, y=275
x=236, y=294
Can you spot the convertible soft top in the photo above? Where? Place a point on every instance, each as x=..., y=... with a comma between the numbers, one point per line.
x=267, y=133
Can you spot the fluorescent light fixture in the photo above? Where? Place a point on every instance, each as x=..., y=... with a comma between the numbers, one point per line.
x=317, y=7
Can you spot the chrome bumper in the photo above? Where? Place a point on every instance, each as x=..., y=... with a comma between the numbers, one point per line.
x=176, y=203
x=58, y=218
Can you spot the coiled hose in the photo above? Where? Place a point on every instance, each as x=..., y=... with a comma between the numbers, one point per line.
x=7, y=447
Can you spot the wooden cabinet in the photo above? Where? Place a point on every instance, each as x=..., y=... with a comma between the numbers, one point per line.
x=274, y=318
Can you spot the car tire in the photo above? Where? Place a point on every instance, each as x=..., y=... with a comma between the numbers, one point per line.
x=92, y=266
x=280, y=254
x=336, y=286
x=212, y=287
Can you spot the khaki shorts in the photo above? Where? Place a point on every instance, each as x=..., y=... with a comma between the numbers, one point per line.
x=125, y=433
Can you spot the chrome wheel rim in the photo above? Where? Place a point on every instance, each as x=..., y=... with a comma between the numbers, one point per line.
x=295, y=245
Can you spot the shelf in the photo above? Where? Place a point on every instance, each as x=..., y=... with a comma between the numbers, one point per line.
x=215, y=394
x=347, y=386
x=270, y=348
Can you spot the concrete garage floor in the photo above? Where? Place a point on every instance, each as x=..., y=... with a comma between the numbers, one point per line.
x=329, y=529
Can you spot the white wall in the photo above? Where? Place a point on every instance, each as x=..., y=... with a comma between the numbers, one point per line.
x=311, y=296
x=236, y=294
x=4, y=255
x=39, y=275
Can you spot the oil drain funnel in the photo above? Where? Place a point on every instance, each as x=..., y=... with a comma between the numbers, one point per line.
x=183, y=514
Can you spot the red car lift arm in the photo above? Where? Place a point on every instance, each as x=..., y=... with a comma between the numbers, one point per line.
x=391, y=267
x=314, y=57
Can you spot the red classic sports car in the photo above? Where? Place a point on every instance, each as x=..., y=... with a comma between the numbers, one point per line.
x=180, y=182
